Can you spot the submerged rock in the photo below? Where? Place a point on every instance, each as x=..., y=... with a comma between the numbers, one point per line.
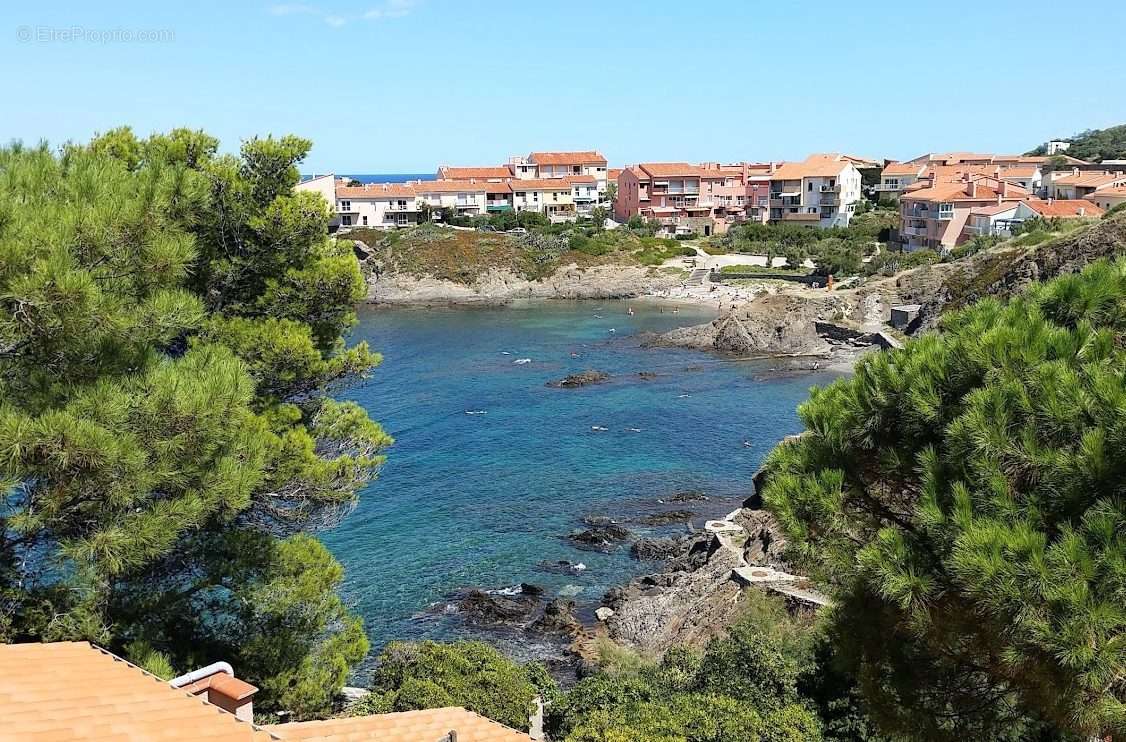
x=582, y=378
x=687, y=496
x=668, y=517
x=480, y=606
x=561, y=567
x=600, y=536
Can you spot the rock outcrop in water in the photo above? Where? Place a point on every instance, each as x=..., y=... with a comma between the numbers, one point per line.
x=582, y=378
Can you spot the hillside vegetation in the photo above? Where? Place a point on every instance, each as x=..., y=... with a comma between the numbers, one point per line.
x=1094, y=145
x=462, y=256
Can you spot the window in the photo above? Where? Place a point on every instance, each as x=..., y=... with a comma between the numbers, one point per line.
x=347, y=220
x=810, y=185
x=536, y=196
x=345, y=205
x=365, y=219
x=521, y=194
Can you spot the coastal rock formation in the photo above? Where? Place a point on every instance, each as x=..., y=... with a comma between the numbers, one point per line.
x=773, y=324
x=667, y=517
x=658, y=611
x=602, y=534
x=582, y=378
x=695, y=597
x=498, y=286
x=480, y=606
x=558, y=617
x=660, y=547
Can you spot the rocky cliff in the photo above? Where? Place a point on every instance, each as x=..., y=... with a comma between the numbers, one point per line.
x=498, y=286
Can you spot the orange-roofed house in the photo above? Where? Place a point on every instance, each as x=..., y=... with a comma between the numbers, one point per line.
x=1057, y=208
x=1107, y=198
x=820, y=191
x=551, y=196
x=76, y=691
x=935, y=216
x=896, y=176
x=377, y=205
x=1078, y=183
x=466, y=197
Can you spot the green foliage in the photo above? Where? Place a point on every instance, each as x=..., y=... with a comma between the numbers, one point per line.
x=962, y=497
x=838, y=250
x=468, y=674
x=763, y=682
x=1094, y=145
x=889, y=262
x=171, y=320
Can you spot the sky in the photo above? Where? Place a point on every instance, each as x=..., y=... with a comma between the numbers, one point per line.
x=386, y=86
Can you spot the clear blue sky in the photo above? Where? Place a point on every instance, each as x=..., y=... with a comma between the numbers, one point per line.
x=403, y=85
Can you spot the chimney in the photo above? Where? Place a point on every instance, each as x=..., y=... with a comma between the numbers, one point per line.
x=218, y=685
x=1082, y=211
x=1074, y=171
x=1050, y=199
x=972, y=190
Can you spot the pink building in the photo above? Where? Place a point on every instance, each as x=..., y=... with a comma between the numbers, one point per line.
x=684, y=198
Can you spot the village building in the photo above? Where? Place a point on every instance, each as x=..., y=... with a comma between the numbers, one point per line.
x=821, y=191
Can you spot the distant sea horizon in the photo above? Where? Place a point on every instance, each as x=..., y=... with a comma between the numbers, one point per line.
x=381, y=177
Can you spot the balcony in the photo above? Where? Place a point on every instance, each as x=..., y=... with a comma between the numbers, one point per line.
x=885, y=187
x=831, y=188
x=466, y=204
x=830, y=200
x=402, y=208
x=801, y=217
x=945, y=214
x=915, y=231
x=498, y=206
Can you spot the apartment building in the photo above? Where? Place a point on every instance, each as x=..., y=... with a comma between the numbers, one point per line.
x=936, y=216
x=821, y=191
x=568, y=164
x=705, y=199
x=1082, y=184
x=466, y=197
x=551, y=196
x=897, y=176
x=325, y=187
x=376, y=205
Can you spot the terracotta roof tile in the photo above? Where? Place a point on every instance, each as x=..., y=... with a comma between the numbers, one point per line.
x=376, y=190
x=1064, y=208
x=903, y=168
x=814, y=166
x=75, y=691
x=613, y=173
x=542, y=184
x=406, y=726
x=469, y=173
x=671, y=170
x=1090, y=179
x=590, y=157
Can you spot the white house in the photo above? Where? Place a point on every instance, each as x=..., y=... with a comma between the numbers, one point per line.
x=821, y=191
x=377, y=205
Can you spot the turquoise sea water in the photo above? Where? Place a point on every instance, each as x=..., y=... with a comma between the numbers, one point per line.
x=480, y=499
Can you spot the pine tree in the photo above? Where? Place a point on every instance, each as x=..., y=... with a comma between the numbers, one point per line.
x=171, y=320
x=964, y=499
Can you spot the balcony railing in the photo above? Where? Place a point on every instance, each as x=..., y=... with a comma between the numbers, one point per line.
x=830, y=188
x=945, y=214
x=830, y=200
x=915, y=231
x=889, y=187
x=402, y=207
x=801, y=217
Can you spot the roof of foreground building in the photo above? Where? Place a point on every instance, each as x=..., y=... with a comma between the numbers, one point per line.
x=76, y=691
